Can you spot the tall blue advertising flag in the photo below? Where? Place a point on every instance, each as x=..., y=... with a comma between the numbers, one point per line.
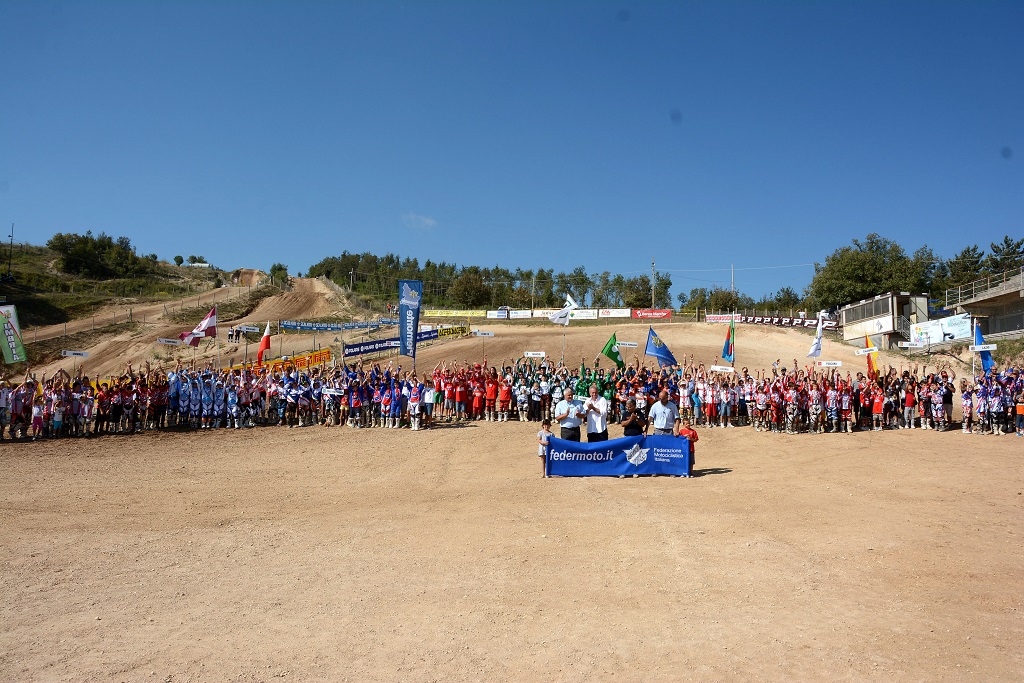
x=657, y=348
x=986, y=356
x=410, y=295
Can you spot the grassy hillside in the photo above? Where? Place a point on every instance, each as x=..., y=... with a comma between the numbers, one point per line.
x=45, y=296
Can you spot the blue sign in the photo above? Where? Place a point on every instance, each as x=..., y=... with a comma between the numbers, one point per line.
x=312, y=326
x=617, y=457
x=410, y=295
x=308, y=326
x=389, y=321
x=378, y=345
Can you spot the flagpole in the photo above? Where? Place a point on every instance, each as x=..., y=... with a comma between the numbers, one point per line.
x=974, y=355
x=217, y=341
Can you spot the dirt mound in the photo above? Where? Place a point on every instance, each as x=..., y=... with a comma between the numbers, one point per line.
x=144, y=313
x=308, y=298
x=248, y=277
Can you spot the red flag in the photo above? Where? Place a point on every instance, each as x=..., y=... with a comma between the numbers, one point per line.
x=264, y=345
x=204, y=330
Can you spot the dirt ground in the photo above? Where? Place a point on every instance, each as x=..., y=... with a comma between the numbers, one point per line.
x=333, y=554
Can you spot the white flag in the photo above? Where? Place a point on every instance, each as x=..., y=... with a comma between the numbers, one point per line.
x=562, y=317
x=816, y=345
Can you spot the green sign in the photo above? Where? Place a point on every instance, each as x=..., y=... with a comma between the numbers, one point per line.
x=14, y=349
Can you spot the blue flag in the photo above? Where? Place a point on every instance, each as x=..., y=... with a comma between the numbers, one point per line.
x=986, y=356
x=410, y=294
x=657, y=348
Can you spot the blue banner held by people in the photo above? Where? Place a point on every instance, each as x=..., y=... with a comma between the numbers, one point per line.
x=410, y=295
x=619, y=457
x=379, y=345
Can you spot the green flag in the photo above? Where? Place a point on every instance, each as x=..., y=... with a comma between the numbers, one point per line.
x=611, y=349
x=14, y=349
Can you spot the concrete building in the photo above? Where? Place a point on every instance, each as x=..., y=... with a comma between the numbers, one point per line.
x=886, y=318
x=997, y=301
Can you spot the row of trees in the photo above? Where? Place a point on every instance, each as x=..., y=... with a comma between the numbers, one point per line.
x=876, y=265
x=449, y=285
x=100, y=257
x=860, y=270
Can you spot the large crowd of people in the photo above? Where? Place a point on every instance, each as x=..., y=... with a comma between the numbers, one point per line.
x=365, y=395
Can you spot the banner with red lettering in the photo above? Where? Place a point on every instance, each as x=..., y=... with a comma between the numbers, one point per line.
x=652, y=313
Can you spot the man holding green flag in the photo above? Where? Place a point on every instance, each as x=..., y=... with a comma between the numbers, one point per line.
x=611, y=349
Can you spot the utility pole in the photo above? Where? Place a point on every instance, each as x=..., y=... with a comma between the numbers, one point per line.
x=351, y=279
x=10, y=257
x=652, y=282
x=533, y=291
x=732, y=277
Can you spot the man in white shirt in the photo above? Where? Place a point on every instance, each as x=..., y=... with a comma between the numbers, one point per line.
x=569, y=413
x=596, y=408
x=664, y=416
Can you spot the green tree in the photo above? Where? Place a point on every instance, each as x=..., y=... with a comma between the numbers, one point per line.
x=278, y=273
x=1006, y=255
x=468, y=290
x=723, y=300
x=863, y=270
x=967, y=266
x=699, y=297
x=178, y=260
x=99, y=257
x=662, y=290
x=636, y=292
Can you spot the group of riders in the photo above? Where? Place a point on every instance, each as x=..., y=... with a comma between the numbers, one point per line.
x=383, y=395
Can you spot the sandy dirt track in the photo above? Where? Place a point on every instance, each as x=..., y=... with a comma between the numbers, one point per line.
x=150, y=312
x=333, y=554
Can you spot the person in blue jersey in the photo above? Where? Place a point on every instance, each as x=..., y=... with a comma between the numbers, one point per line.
x=395, y=413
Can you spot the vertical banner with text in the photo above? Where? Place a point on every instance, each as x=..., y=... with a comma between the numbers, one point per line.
x=14, y=349
x=410, y=295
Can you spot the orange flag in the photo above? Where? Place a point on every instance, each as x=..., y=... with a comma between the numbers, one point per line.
x=872, y=359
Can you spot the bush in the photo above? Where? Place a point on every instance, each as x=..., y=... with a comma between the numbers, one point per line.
x=99, y=257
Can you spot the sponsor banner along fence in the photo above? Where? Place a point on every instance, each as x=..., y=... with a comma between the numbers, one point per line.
x=786, y=322
x=452, y=330
x=616, y=457
x=301, y=362
x=614, y=313
x=520, y=315
x=723, y=317
x=381, y=345
x=583, y=314
x=313, y=326
x=651, y=313
x=545, y=312
x=497, y=315
x=452, y=313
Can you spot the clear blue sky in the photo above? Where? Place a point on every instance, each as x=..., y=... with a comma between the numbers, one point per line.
x=533, y=134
